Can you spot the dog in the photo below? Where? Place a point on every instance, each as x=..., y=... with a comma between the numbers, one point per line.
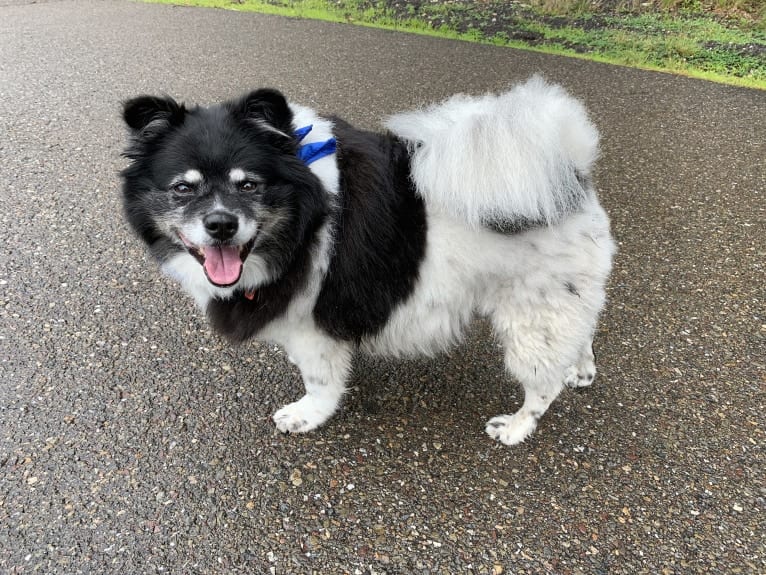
x=302, y=230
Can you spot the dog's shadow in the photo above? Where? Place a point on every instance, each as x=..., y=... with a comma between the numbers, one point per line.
x=468, y=375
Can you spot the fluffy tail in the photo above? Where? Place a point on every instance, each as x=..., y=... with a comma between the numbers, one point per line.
x=524, y=155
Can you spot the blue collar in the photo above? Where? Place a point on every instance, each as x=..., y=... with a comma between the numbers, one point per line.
x=314, y=151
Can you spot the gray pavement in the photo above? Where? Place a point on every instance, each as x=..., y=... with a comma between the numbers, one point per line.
x=133, y=440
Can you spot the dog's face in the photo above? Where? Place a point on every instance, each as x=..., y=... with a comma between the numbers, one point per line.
x=219, y=186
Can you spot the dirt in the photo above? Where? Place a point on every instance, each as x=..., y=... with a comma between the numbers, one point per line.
x=515, y=21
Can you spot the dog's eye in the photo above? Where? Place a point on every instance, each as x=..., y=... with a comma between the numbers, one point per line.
x=182, y=188
x=248, y=186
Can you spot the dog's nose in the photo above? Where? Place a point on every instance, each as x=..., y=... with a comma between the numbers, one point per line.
x=221, y=225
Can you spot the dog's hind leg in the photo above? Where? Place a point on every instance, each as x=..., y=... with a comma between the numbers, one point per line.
x=542, y=383
x=325, y=365
x=582, y=373
x=547, y=338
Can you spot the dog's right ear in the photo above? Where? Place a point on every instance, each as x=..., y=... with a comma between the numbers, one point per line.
x=150, y=115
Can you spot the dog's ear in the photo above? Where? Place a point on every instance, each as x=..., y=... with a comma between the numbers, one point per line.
x=148, y=118
x=266, y=105
x=153, y=113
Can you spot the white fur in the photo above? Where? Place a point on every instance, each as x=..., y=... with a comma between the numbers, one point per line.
x=326, y=168
x=183, y=268
x=325, y=365
x=195, y=231
x=498, y=157
x=469, y=270
x=582, y=373
x=520, y=282
x=186, y=270
x=236, y=175
x=192, y=176
x=266, y=126
x=508, y=157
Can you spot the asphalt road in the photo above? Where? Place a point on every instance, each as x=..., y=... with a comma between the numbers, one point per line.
x=133, y=440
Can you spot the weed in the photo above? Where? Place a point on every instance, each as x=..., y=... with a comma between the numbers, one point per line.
x=684, y=42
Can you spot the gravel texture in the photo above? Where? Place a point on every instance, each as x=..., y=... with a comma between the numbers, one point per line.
x=132, y=440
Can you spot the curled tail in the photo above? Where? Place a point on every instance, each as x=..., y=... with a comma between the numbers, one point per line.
x=521, y=156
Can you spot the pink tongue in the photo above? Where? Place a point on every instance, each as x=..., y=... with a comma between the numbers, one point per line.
x=222, y=264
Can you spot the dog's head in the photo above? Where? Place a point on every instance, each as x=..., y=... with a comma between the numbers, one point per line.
x=220, y=186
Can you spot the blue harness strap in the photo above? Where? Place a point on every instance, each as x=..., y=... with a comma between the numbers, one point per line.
x=315, y=150
x=301, y=133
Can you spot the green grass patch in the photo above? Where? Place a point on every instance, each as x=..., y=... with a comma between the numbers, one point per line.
x=730, y=48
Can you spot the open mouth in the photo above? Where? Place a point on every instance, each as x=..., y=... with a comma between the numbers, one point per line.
x=222, y=263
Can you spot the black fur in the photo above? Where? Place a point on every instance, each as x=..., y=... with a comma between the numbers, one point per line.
x=380, y=236
x=510, y=227
x=300, y=197
x=223, y=200
x=379, y=231
x=240, y=318
x=167, y=139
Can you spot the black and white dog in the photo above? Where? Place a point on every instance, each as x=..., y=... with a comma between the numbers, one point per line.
x=302, y=230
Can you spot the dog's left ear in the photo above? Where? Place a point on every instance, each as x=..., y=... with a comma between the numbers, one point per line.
x=266, y=105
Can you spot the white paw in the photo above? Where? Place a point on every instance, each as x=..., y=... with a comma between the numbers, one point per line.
x=303, y=415
x=511, y=429
x=580, y=375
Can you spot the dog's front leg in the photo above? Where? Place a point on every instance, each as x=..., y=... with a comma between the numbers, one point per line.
x=324, y=364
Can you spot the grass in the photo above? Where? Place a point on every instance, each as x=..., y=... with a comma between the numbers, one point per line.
x=718, y=40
